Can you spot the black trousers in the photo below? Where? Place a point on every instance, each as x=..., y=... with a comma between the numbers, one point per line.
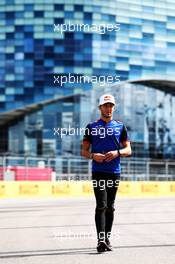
x=105, y=187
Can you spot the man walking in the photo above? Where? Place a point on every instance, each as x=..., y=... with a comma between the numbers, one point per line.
x=105, y=141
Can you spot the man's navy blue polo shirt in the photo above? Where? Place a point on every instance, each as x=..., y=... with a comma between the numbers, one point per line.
x=106, y=137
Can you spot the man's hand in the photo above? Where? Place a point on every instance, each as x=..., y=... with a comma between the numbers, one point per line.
x=111, y=155
x=98, y=157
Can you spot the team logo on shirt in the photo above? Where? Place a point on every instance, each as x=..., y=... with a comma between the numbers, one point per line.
x=107, y=97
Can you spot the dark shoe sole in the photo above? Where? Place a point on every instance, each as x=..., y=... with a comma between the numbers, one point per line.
x=109, y=248
x=101, y=247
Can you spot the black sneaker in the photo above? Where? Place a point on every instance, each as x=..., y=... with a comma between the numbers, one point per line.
x=101, y=246
x=108, y=245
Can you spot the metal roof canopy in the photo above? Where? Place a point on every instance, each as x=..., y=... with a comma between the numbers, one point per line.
x=162, y=85
x=7, y=117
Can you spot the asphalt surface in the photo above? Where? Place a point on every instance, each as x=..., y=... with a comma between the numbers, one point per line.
x=63, y=231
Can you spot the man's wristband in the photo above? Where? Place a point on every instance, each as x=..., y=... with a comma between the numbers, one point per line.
x=91, y=156
x=119, y=154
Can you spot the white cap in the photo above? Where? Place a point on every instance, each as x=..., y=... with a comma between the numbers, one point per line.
x=106, y=98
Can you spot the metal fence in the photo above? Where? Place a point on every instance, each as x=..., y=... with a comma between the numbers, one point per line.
x=68, y=168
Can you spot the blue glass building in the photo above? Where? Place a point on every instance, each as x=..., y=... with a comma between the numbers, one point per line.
x=32, y=53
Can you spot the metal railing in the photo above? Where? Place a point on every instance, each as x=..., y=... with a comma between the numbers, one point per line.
x=78, y=168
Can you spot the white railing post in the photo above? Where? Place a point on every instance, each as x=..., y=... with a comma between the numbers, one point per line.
x=147, y=170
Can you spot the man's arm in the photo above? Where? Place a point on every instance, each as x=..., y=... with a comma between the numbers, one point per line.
x=124, y=152
x=85, y=152
x=85, y=149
